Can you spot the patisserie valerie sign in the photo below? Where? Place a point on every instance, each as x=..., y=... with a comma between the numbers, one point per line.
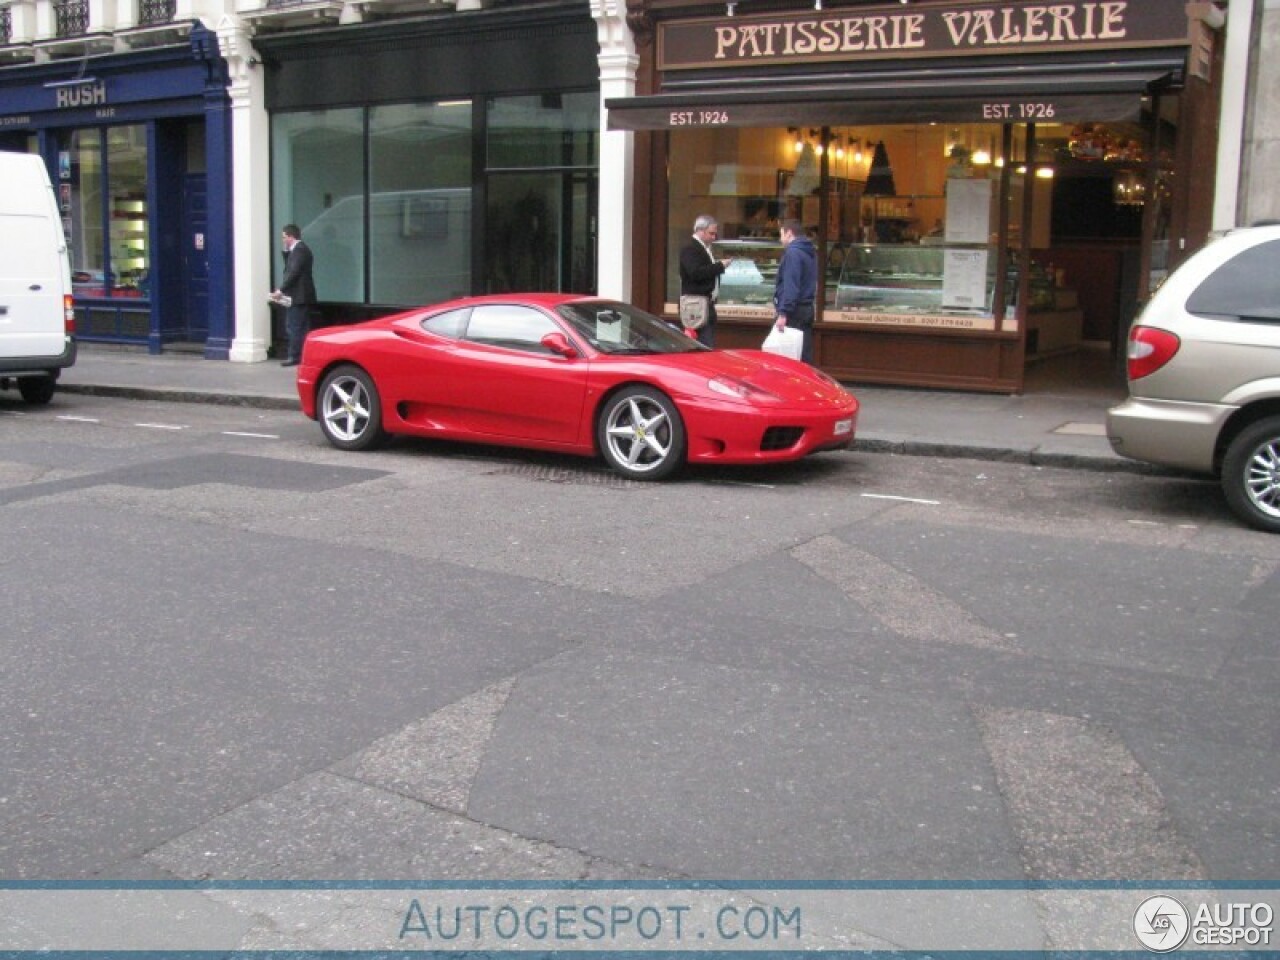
x=938, y=30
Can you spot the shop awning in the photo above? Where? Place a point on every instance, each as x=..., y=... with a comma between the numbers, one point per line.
x=1110, y=92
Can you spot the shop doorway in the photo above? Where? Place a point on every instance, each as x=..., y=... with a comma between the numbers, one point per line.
x=541, y=232
x=195, y=257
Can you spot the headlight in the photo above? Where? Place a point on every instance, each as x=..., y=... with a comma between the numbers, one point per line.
x=827, y=379
x=738, y=389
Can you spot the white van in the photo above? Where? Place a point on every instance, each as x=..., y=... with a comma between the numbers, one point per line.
x=37, y=316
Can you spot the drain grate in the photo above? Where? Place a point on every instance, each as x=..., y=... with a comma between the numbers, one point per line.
x=570, y=475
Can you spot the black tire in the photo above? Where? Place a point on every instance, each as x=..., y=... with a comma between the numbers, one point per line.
x=640, y=434
x=37, y=389
x=1251, y=475
x=350, y=410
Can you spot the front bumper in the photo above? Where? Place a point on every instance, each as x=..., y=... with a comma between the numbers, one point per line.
x=1167, y=432
x=740, y=434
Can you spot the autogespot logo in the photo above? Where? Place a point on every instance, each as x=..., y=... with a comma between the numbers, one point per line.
x=1162, y=924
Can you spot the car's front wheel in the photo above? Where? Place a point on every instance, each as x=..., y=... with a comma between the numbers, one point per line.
x=350, y=409
x=37, y=389
x=641, y=434
x=1251, y=475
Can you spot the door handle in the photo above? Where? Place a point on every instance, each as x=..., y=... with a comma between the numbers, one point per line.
x=35, y=286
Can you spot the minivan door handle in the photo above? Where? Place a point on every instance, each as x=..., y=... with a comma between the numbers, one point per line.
x=35, y=286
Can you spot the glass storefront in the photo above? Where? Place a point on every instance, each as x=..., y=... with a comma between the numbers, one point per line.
x=407, y=238
x=917, y=225
x=102, y=191
x=541, y=159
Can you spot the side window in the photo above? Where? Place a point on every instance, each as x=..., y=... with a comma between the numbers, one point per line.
x=510, y=326
x=1246, y=286
x=449, y=324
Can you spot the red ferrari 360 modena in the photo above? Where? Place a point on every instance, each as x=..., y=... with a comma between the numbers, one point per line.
x=568, y=373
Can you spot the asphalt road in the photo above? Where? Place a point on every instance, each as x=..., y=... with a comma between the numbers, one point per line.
x=230, y=651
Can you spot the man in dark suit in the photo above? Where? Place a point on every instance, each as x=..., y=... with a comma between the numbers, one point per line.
x=700, y=272
x=299, y=286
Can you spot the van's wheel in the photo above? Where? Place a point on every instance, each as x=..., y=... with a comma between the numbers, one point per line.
x=350, y=409
x=36, y=389
x=1251, y=475
x=641, y=434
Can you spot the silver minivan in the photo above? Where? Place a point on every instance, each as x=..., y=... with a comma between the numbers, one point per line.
x=1204, y=373
x=37, y=316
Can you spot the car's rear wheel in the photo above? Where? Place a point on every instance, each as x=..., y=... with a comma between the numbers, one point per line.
x=350, y=409
x=36, y=389
x=641, y=434
x=1251, y=475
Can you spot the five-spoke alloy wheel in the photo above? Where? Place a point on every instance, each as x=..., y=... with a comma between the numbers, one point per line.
x=1251, y=475
x=641, y=434
x=350, y=409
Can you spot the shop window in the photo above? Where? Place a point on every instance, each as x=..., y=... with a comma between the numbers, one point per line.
x=384, y=196
x=542, y=160
x=420, y=209
x=102, y=192
x=905, y=218
x=548, y=130
x=318, y=175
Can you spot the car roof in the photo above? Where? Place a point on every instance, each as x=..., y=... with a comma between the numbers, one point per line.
x=537, y=299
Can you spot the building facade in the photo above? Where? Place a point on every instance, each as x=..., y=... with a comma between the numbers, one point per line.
x=987, y=183
x=127, y=104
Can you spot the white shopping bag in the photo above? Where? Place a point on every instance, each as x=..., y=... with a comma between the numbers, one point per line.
x=787, y=342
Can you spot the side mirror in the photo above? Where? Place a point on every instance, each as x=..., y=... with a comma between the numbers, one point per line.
x=559, y=344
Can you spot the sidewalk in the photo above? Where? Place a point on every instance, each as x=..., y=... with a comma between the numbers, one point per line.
x=1059, y=425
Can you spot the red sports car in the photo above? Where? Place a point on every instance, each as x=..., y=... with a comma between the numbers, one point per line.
x=570, y=373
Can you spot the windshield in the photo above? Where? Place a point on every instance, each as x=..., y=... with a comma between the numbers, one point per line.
x=613, y=327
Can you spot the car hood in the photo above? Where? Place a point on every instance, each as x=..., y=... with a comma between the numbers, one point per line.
x=790, y=381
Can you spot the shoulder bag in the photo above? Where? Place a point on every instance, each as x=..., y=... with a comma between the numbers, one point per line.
x=694, y=310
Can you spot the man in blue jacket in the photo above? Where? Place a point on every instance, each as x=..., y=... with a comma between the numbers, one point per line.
x=797, y=284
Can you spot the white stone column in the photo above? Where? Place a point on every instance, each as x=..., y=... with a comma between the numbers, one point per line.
x=251, y=193
x=618, y=63
x=1261, y=196
x=1231, y=116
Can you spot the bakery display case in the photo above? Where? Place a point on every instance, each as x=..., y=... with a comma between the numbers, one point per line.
x=916, y=278
x=753, y=269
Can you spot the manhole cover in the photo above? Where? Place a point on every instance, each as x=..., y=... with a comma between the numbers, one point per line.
x=572, y=475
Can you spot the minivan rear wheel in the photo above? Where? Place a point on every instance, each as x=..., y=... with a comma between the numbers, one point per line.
x=1251, y=475
x=36, y=389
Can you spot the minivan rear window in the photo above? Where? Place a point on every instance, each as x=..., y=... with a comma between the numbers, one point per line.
x=1246, y=287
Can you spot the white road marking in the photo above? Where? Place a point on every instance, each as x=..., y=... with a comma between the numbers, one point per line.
x=885, y=496
x=79, y=419
x=161, y=426
x=260, y=436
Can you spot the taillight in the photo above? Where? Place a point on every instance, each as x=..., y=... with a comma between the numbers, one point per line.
x=68, y=314
x=1149, y=350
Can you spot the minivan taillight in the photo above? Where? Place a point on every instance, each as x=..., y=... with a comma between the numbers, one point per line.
x=1150, y=349
x=69, y=314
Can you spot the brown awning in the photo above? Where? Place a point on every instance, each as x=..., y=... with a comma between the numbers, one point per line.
x=1054, y=93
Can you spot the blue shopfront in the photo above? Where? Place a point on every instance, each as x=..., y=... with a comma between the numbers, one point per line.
x=138, y=148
